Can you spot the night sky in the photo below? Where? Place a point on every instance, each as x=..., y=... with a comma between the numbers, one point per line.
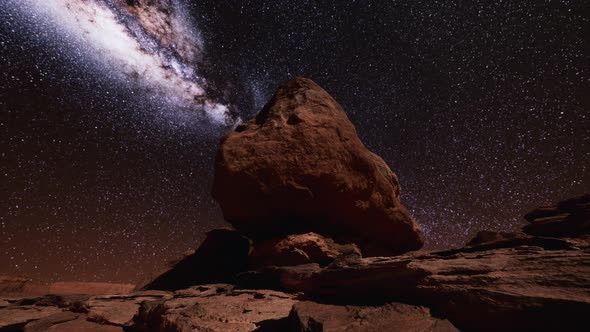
x=111, y=113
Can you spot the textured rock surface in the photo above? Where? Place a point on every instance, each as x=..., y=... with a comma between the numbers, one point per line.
x=223, y=254
x=48, y=323
x=499, y=282
x=214, y=307
x=311, y=316
x=217, y=308
x=14, y=318
x=515, y=287
x=117, y=309
x=73, y=313
x=299, y=166
x=530, y=283
x=299, y=249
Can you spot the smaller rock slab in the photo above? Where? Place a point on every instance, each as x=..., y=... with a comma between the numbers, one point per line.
x=311, y=316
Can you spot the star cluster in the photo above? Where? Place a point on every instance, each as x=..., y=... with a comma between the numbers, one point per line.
x=481, y=108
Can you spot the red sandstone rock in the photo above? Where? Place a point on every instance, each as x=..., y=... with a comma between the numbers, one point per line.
x=311, y=316
x=508, y=286
x=216, y=308
x=299, y=166
x=298, y=249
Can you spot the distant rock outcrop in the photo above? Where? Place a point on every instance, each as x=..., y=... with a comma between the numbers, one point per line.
x=488, y=237
x=566, y=218
x=10, y=285
x=300, y=167
x=19, y=286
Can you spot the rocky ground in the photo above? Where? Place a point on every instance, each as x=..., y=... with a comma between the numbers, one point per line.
x=525, y=283
x=323, y=243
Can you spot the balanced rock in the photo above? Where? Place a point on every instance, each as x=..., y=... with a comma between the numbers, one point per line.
x=300, y=167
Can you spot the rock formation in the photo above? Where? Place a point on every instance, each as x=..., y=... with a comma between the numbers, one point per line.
x=299, y=249
x=566, y=218
x=214, y=307
x=311, y=316
x=303, y=192
x=511, y=288
x=300, y=167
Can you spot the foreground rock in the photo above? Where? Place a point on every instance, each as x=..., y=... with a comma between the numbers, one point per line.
x=214, y=307
x=219, y=258
x=529, y=283
x=512, y=288
x=311, y=316
x=14, y=318
x=217, y=308
x=73, y=312
x=299, y=166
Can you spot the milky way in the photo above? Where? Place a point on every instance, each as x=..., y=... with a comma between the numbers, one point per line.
x=111, y=113
x=152, y=42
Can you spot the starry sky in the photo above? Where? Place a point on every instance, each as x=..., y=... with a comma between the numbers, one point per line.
x=111, y=112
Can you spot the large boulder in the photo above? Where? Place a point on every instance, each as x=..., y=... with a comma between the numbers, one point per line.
x=299, y=166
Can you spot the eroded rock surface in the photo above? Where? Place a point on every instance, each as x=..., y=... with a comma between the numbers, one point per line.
x=311, y=317
x=217, y=308
x=300, y=167
x=299, y=249
x=531, y=283
x=73, y=312
x=14, y=318
x=509, y=288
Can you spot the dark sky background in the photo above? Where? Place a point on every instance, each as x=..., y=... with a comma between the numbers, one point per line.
x=482, y=109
